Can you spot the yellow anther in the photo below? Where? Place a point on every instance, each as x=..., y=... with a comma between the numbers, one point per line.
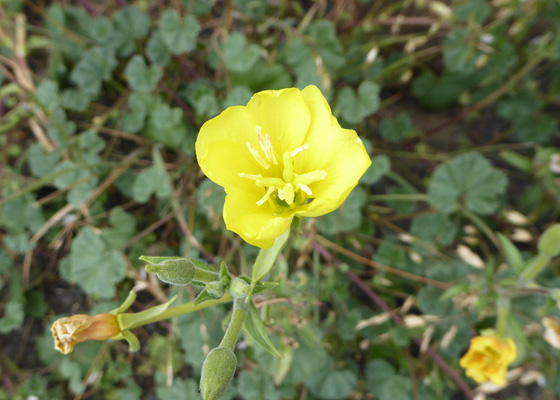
x=257, y=156
x=288, y=193
x=266, y=196
x=249, y=176
x=305, y=189
x=266, y=145
x=288, y=173
x=301, y=148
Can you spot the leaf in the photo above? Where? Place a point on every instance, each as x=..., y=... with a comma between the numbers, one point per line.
x=460, y=53
x=179, y=35
x=380, y=166
x=438, y=92
x=468, y=179
x=48, y=95
x=513, y=256
x=157, y=50
x=257, y=385
x=77, y=99
x=134, y=120
x=383, y=382
x=140, y=77
x=477, y=10
x=238, y=55
x=239, y=96
x=266, y=258
x=398, y=129
x=330, y=383
x=93, y=265
x=13, y=310
x=254, y=326
x=95, y=65
x=180, y=389
x=122, y=230
x=355, y=108
x=150, y=181
x=329, y=47
x=130, y=24
x=347, y=217
x=102, y=30
x=549, y=242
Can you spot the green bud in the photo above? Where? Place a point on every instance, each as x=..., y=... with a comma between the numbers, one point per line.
x=239, y=288
x=180, y=271
x=549, y=243
x=217, y=372
x=215, y=289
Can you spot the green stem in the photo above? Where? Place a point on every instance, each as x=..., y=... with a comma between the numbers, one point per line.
x=503, y=312
x=535, y=267
x=186, y=308
x=475, y=219
x=240, y=309
x=400, y=197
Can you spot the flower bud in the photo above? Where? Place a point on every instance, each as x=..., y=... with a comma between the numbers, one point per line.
x=239, y=288
x=217, y=372
x=175, y=272
x=215, y=289
x=79, y=328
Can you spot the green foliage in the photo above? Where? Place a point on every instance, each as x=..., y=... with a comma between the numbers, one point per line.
x=399, y=129
x=467, y=180
x=140, y=77
x=354, y=108
x=238, y=55
x=178, y=34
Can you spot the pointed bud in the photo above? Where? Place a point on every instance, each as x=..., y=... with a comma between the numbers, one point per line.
x=239, y=288
x=79, y=328
x=217, y=372
x=180, y=271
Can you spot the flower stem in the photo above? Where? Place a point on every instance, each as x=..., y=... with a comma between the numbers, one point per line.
x=503, y=312
x=240, y=309
x=205, y=276
x=185, y=309
x=535, y=267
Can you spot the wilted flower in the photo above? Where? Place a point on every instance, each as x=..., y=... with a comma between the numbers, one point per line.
x=488, y=358
x=79, y=328
x=281, y=156
x=552, y=332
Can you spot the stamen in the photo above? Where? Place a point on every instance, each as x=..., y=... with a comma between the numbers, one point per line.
x=305, y=188
x=281, y=194
x=266, y=145
x=249, y=176
x=289, y=193
x=266, y=196
x=257, y=156
x=270, y=182
x=301, y=148
x=288, y=173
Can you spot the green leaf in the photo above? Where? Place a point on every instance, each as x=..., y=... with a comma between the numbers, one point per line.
x=380, y=166
x=300, y=57
x=460, y=53
x=179, y=35
x=134, y=119
x=77, y=99
x=536, y=129
x=434, y=230
x=130, y=24
x=398, y=129
x=122, y=230
x=330, y=383
x=257, y=386
x=48, y=95
x=93, y=265
x=513, y=256
x=166, y=126
x=150, y=181
x=202, y=96
x=468, y=179
x=354, y=108
x=239, y=96
x=263, y=76
x=13, y=310
x=180, y=389
x=438, y=92
x=59, y=128
x=71, y=371
x=383, y=382
x=140, y=77
x=102, y=30
x=476, y=10
x=254, y=326
x=95, y=65
x=329, y=47
x=157, y=50
x=549, y=242
x=347, y=217
x=266, y=258
x=238, y=55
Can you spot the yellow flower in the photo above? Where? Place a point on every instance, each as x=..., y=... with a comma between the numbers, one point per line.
x=281, y=156
x=488, y=358
x=79, y=328
x=552, y=332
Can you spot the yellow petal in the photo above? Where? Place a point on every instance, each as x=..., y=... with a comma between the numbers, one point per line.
x=257, y=225
x=333, y=149
x=221, y=148
x=283, y=115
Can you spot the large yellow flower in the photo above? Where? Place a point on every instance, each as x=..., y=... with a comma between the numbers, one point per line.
x=283, y=155
x=488, y=358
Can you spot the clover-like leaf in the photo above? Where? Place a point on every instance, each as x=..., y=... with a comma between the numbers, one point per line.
x=141, y=77
x=354, y=108
x=469, y=179
x=238, y=55
x=178, y=34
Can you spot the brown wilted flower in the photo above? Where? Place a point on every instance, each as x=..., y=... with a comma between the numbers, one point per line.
x=80, y=327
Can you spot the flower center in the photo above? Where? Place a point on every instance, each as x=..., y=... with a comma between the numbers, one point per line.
x=291, y=189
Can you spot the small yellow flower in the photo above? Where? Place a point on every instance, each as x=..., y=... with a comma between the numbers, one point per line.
x=281, y=156
x=79, y=328
x=552, y=332
x=488, y=358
